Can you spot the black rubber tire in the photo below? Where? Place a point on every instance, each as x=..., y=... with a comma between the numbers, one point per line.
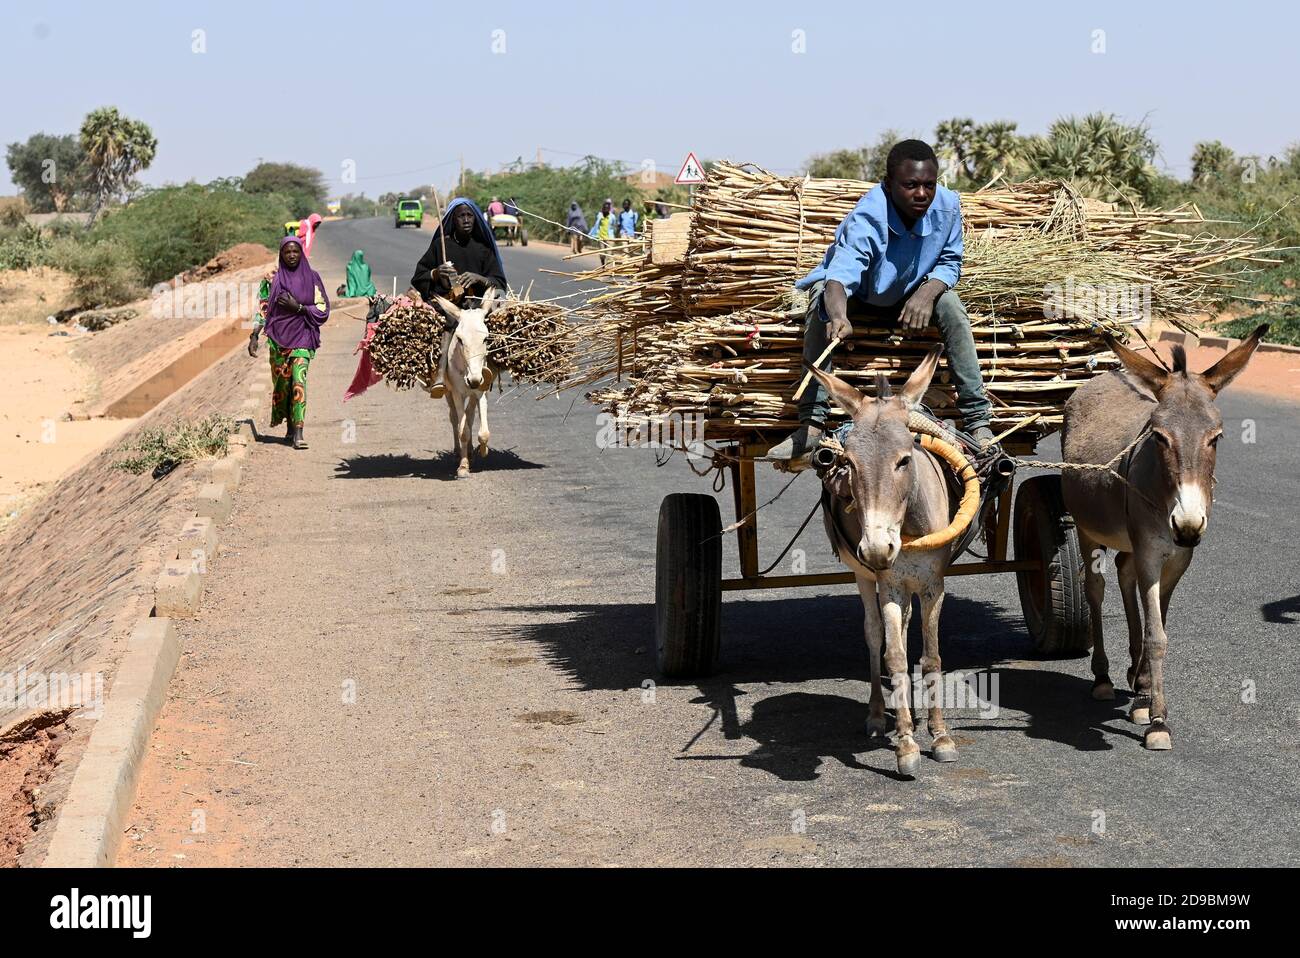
x=523, y=236
x=1053, y=601
x=688, y=585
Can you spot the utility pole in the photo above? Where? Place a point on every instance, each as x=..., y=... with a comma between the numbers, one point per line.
x=539, y=156
x=462, y=173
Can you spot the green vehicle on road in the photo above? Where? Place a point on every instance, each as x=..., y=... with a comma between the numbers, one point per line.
x=408, y=211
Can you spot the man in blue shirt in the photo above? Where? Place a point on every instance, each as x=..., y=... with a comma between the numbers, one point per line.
x=627, y=221
x=896, y=258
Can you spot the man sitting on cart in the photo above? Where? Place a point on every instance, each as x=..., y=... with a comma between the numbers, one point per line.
x=896, y=257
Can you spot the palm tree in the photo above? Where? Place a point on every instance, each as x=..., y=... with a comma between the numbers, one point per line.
x=995, y=148
x=1210, y=160
x=952, y=141
x=1101, y=155
x=116, y=148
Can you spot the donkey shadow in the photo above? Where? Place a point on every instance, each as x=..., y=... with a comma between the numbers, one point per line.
x=797, y=640
x=441, y=467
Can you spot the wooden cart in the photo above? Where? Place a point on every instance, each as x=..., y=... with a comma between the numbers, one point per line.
x=689, y=582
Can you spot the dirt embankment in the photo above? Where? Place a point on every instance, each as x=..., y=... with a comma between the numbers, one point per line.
x=28, y=756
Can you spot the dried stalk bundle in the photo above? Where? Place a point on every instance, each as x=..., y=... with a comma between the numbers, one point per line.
x=532, y=340
x=407, y=345
x=1045, y=272
x=529, y=339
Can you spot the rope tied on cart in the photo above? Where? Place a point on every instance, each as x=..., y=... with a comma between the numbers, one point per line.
x=1125, y=455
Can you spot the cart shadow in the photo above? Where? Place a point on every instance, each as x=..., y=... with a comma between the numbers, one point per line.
x=442, y=466
x=789, y=641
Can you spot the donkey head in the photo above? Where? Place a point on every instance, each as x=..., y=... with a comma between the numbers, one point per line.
x=879, y=475
x=1185, y=426
x=468, y=348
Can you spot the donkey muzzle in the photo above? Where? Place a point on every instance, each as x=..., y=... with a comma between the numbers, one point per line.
x=1190, y=516
x=879, y=547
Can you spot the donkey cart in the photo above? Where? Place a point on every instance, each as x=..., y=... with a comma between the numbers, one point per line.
x=689, y=581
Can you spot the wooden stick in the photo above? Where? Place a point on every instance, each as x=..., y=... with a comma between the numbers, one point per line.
x=807, y=377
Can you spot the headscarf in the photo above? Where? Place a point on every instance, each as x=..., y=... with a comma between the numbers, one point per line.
x=307, y=231
x=288, y=328
x=482, y=232
x=358, y=274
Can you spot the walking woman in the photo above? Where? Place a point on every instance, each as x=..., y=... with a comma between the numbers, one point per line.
x=296, y=306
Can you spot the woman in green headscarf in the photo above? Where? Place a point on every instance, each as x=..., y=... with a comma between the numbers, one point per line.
x=359, y=282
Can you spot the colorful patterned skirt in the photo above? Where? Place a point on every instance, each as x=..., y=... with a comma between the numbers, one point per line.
x=289, y=383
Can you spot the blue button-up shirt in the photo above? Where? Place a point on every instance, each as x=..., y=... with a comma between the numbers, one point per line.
x=879, y=259
x=627, y=222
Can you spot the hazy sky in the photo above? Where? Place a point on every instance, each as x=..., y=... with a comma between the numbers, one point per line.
x=403, y=89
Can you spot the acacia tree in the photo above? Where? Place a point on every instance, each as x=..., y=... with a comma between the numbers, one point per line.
x=49, y=169
x=117, y=148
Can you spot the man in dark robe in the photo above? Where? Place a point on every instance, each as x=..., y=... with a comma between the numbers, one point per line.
x=472, y=260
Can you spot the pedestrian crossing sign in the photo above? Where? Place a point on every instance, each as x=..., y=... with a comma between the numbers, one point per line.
x=691, y=172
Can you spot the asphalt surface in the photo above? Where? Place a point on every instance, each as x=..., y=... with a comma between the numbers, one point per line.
x=498, y=633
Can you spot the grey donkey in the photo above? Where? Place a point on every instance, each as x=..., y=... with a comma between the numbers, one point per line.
x=882, y=488
x=1154, y=522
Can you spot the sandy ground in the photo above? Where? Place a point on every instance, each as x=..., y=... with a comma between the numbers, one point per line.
x=39, y=381
x=28, y=296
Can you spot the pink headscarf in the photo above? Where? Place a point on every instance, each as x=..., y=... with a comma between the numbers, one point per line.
x=307, y=232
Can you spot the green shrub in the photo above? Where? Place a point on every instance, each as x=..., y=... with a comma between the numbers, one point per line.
x=172, y=229
x=1284, y=326
x=22, y=248
x=548, y=191
x=161, y=450
x=103, y=273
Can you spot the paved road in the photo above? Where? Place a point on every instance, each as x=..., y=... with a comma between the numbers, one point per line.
x=498, y=634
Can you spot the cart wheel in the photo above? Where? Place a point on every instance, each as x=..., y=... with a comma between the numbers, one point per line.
x=1052, y=598
x=688, y=585
x=523, y=236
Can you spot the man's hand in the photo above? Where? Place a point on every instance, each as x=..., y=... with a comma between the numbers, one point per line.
x=447, y=273
x=836, y=302
x=919, y=307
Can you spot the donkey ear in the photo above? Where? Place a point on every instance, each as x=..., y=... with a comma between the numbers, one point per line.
x=917, y=383
x=447, y=306
x=1147, y=372
x=848, y=398
x=1226, y=369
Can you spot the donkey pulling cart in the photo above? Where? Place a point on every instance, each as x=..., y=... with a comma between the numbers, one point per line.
x=701, y=317
x=688, y=560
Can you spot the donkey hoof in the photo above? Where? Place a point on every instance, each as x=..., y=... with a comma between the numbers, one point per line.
x=462, y=472
x=1103, y=690
x=482, y=450
x=909, y=756
x=1157, y=738
x=1140, y=715
x=876, y=725
x=945, y=749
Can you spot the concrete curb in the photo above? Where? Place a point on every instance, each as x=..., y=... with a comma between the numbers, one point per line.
x=89, y=827
x=1190, y=341
x=88, y=831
